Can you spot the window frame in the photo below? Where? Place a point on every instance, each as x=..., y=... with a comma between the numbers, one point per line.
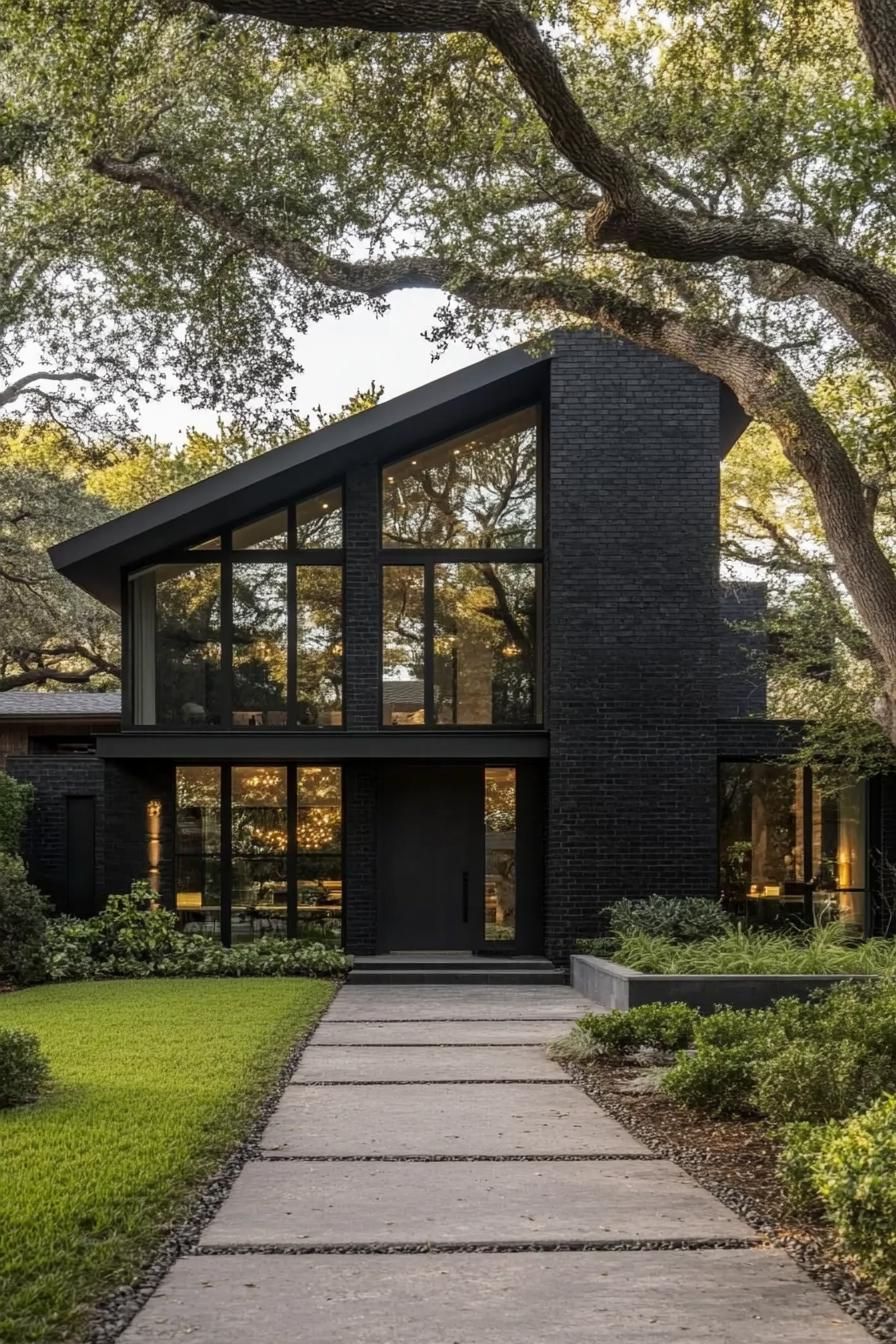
x=872, y=824
x=225, y=838
x=427, y=557
x=293, y=558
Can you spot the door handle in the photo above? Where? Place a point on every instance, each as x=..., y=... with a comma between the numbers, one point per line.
x=465, y=897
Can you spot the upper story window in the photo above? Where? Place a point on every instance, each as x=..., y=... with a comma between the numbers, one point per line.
x=244, y=630
x=462, y=580
x=479, y=490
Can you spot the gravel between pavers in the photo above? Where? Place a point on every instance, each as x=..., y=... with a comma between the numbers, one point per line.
x=114, y=1313
x=665, y=1127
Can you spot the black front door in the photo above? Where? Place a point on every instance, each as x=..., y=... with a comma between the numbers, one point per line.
x=430, y=849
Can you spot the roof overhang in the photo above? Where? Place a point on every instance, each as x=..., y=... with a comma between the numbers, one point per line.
x=94, y=560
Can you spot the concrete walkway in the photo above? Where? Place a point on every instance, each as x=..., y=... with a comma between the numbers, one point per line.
x=419, y=1178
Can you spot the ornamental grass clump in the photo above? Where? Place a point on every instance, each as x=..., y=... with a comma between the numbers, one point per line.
x=829, y=949
x=664, y=1027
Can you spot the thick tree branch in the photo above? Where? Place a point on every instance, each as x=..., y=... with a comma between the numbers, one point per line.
x=877, y=34
x=26, y=383
x=625, y=214
x=765, y=386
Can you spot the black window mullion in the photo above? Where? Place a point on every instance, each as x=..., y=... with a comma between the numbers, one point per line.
x=429, y=694
x=292, y=598
x=292, y=813
x=226, y=633
x=226, y=853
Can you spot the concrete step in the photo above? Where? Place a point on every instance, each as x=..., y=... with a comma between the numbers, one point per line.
x=449, y=961
x=459, y=976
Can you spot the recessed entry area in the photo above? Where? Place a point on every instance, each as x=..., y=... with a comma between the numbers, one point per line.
x=447, y=857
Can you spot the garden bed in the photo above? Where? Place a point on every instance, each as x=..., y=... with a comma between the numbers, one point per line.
x=735, y=1159
x=615, y=986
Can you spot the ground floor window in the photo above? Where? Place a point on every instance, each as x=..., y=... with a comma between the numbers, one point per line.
x=258, y=850
x=500, y=853
x=787, y=849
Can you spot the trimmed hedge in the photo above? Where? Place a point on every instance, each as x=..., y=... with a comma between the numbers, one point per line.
x=666, y=1027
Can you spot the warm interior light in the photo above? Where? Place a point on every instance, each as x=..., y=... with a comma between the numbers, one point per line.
x=153, y=842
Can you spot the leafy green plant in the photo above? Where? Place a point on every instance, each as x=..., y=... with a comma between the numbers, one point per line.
x=24, y=1071
x=15, y=801
x=656, y=1026
x=683, y=919
x=855, y=1177
x=132, y=937
x=801, y=1146
x=23, y=924
x=715, y=1079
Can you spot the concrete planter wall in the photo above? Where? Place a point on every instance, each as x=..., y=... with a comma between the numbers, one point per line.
x=614, y=986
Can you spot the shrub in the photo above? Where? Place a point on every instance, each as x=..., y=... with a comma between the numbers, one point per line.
x=855, y=1177
x=24, y=1071
x=802, y=1144
x=15, y=801
x=714, y=1079
x=23, y=924
x=133, y=937
x=656, y=1026
x=682, y=919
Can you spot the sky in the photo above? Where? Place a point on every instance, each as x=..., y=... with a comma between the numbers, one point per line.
x=339, y=355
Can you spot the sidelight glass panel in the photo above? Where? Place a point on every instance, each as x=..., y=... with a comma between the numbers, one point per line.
x=319, y=851
x=175, y=625
x=319, y=646
x=197, y=848
x=761, y=818
x=259, y=842
x=485, y=644
x=403, y=656
x=259, y=645
x=264, y=534
x=319, y=521
x=839, y=857
x=500, y=854
x=478, y=490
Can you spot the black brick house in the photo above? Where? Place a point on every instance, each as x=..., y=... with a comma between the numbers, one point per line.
x=455, y=674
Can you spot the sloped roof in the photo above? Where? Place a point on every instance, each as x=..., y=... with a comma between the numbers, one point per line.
x=434, y=411
x=60, y=704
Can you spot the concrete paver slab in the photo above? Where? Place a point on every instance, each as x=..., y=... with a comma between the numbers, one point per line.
x=428, y=1002
x=392, y=1064
x=460, y=1203
x=493, y=1120
x=644, y=1297
x=443, y=1119
x=471, y=1032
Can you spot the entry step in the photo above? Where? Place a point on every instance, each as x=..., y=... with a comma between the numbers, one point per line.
x=420, y=968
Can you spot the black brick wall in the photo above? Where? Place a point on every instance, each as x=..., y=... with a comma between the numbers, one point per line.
x=359, y=858
x=55, y=778
x=129, y=788
x=362, y=597
x=633, y=602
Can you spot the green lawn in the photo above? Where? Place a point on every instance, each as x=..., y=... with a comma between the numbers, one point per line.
x=153, y=1081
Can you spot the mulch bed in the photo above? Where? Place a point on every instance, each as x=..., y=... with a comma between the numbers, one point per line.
x=735, y=1160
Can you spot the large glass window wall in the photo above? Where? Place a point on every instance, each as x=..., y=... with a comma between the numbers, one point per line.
x=244, y=631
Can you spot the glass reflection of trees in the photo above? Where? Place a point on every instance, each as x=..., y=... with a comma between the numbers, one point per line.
x=479, y=490
x=319, y=850
x=485, y=644
x=319, y=645
x=197, y=847
x=182, y=682
x=259, y=644
x=403, y=653
x=500, y=853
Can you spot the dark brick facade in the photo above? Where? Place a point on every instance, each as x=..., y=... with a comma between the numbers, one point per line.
x=633, y=603
x=55, y=779
x=359, y=855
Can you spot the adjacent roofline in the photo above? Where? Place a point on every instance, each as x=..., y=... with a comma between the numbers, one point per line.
x=483, y=390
